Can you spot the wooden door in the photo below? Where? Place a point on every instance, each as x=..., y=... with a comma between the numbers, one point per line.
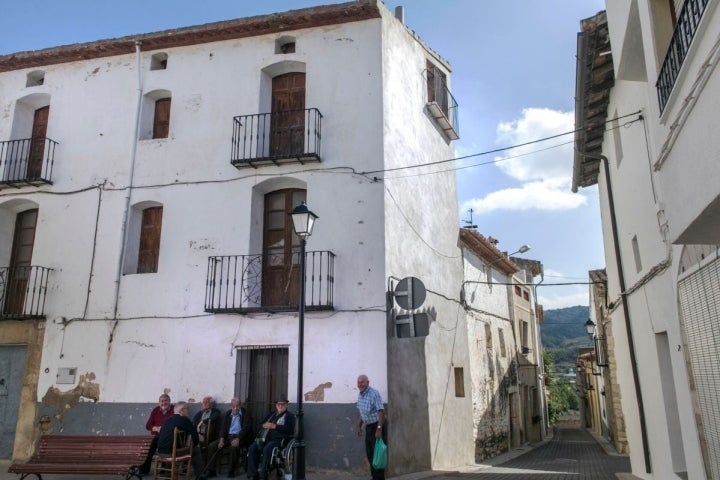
x=37, y=143
x=161, y=122
x=281, y=259
x=287, y=124
x=150, y=230
x=20, y=262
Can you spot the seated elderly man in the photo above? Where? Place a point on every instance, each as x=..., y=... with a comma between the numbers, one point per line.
x=207, y=422
x=278, y=426
x=237, y=433
x=167, y=434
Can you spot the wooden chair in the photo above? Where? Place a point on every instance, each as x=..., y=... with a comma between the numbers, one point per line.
x=177, y=465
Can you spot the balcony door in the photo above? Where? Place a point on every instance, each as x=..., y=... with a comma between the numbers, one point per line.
x=37, y=143
x=20, y=262
x=281, y=258
x=287, y=123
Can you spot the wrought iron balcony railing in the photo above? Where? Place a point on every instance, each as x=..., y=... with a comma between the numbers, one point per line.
x=687, y=24
x=27, y=161
x=276, y=138
x=23, y=291
x=268, y=283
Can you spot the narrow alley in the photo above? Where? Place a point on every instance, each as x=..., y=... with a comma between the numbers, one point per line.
x=571, y=452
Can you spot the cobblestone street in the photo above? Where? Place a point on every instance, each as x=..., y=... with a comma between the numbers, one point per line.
x=571, y=453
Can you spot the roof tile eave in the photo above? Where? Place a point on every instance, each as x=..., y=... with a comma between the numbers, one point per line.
x=211, y=32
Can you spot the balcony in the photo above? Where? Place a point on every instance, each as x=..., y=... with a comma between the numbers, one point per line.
x=276, y=138
x=268, y=283
x=27, y=162
x=22, y=292
x=687, y=24
x=443, y=109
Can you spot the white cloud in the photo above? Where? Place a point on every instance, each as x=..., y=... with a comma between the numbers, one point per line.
x=551, y=298
x=537, y=123
x=545, y=172
x=551, y=194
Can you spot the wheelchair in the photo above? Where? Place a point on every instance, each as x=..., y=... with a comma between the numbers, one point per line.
x=281, y=460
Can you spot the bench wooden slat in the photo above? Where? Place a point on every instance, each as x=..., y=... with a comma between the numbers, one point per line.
x=85, y=455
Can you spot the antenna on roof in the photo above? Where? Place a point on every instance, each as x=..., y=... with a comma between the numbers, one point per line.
x=469, y=222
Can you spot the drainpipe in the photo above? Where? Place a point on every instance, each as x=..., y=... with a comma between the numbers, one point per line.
x=131, y=174
x=626, y=311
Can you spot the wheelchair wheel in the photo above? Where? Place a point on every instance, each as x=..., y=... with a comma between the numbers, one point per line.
x=289, y=456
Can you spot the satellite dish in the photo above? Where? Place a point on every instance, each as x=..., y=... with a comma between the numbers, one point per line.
x=410, y=293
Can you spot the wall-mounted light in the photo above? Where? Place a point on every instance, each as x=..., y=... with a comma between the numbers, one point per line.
x=591, y=329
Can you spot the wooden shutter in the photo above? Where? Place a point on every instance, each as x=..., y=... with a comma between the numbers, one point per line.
x=161, y=125
x=149, y=253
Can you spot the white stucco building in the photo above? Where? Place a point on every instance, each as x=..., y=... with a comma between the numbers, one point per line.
x=505, y=350
x=146, y=246
x=647, y=105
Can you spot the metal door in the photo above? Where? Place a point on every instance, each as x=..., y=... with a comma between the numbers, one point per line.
x=12, y=371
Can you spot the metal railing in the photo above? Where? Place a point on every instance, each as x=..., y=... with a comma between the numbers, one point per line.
x=444, y=103
x=29, y=160
x=280, y=137
x=235, y=283
x=23, y=291
x=687, y=24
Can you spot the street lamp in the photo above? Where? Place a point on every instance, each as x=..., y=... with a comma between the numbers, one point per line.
x=303, y=222
x=591, y=330
x=522, y=249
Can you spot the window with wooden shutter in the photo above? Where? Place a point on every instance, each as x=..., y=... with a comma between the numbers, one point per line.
x=149, y=252
x=161, y=124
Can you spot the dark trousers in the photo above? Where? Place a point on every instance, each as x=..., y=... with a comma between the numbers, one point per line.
x=213, y=455
x=370, y=430
x=257, y=466
x=145, y=467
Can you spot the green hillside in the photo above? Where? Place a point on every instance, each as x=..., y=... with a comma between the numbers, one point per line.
x=563, y=331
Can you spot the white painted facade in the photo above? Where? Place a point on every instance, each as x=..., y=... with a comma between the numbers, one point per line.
x=136, y=335
x=665, y=179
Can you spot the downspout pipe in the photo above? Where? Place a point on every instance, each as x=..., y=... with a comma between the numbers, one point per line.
x=626, y=311
x=131, y=175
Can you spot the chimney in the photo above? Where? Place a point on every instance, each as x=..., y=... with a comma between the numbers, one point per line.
x=400, y=14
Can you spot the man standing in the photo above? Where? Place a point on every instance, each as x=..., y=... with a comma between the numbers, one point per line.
x=277, y=427
x=372, y=414
x=167, y=436
x=237, y=431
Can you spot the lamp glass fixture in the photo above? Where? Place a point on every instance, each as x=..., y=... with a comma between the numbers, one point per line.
x=590, y=327
x=303, y=220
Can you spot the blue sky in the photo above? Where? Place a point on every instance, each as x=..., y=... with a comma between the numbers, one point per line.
x=513, y=76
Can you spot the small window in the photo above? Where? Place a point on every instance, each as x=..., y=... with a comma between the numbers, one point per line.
x=488, y=337
x=501, y=338
x=518, y=292
x=437, y=87
x=159, y=61
x=459, y=382
x=161, y=123
x=149, y=251
x=35, y=78
x=285, y=45
x=526, y=295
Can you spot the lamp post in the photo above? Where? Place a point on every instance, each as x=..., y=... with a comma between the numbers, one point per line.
x=303, y=222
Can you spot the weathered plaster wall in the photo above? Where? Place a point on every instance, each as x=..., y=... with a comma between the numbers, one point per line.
x=420, y=218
